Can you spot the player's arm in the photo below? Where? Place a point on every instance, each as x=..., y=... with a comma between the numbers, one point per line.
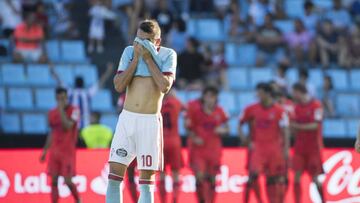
x=357, y=143
x=66, y=122
x=310, y=126
x=284, y=124
x=223, y=129
x=244, y=119
x=46, y=147
x=164, y=82
x=127, y=68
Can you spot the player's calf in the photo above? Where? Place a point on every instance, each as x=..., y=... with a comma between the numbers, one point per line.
x=54, y=189
x=147, y=186
x=319, y=188
x=115, y=178
x=72, y=187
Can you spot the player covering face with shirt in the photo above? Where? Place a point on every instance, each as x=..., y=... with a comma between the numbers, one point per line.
x=146, y=72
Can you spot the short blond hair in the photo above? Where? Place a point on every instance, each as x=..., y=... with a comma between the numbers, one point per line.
x=151, y=27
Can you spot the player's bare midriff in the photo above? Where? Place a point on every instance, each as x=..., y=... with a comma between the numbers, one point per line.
x=143, y=96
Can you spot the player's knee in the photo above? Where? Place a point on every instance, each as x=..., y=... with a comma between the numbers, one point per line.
x=252, y=178
x=147, y=175
x=117, y=169
x=68, y=181
x=297, y=177
x=271, y=180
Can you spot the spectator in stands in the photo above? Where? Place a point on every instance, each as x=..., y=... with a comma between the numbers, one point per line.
x=80, y=95
x=215, y=72
x=259, y=9
x=304, y=80
x=328, y=42
x=237, y=28
x=355, y=9
x=64, y=26
x=201, y=6
x=328, y=97
x=41, y=16
x=10, y=16
x=98, y=13
x=190, y=65
x=221, y=6
x=29, y=37
x=299, y=44
x=280, y=78
x=310, y=17
x=96, y=135
x=177, y=36
x=164, y=16
x=350, y=51
x=339, y=16
x=268, y=39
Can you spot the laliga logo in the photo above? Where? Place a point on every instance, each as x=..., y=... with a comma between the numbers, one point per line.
x=343, y=178
x=4, y=183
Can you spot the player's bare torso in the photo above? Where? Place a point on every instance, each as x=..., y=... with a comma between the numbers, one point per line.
x=143, y=96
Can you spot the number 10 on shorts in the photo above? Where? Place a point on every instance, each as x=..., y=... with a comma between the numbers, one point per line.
x=146, y=160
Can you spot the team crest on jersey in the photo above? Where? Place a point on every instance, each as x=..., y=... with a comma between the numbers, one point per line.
x=121, y=152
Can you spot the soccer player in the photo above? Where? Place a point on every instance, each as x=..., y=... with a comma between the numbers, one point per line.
x=146, y=76
x=268, y=130
x=172, y=144
x=307, y=126
x=357, y=143
x=61, y=143
x=206, y=122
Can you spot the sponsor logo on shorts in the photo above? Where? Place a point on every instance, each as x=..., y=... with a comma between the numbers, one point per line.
x=121, y=152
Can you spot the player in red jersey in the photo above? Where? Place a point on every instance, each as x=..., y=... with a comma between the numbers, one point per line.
x=289, y=107
x=170, y=111
x=61, y=143
x=307, y=126
x=206, y=122
x=268, y=130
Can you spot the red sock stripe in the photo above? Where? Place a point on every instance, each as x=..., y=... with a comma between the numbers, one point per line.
x=148, y=182
x=115, y=177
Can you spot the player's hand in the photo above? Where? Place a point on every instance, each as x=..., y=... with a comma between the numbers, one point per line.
x=220, y=130
x=42, y=157
x=146, y=54
x=198, y=140
x=357, y=145
x=244, y=141
x=138, y=49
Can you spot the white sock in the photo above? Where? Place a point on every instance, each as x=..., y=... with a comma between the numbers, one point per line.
x=146, y=193
x=113, y=194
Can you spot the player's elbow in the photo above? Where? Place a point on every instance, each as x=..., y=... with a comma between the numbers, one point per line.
x=119, y=87
x=165, y=86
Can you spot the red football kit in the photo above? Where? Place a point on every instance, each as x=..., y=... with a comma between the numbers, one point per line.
x=63, y=145
x=266, y=133
x=170, y=111
x=308, y=144
x=207, y=157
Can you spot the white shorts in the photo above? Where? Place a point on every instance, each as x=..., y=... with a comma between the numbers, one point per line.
x=138, y=136
x=30, y=55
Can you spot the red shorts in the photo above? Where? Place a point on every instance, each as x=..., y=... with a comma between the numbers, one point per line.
x=60, y=165
x=309, y=161
x=268, y=160
x=172, y=154
x=205, y=161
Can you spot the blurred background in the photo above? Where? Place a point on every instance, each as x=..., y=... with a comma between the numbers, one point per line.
x=232, y=44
